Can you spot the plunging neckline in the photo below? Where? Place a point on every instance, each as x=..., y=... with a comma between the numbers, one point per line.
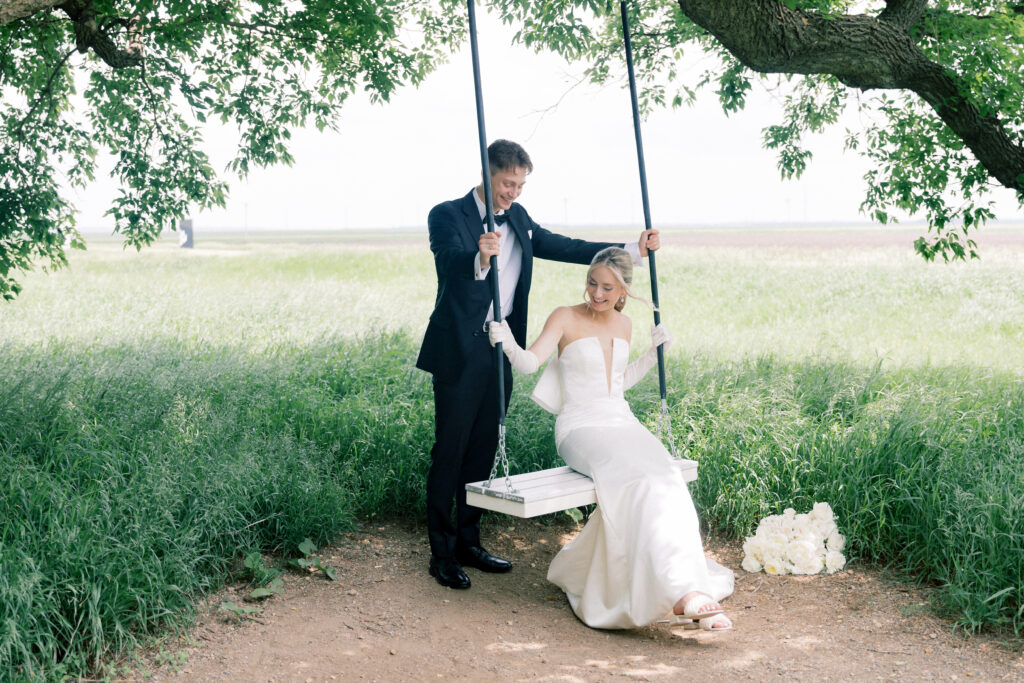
x=607, y=367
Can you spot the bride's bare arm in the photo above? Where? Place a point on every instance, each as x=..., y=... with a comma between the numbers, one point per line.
x=555, y=328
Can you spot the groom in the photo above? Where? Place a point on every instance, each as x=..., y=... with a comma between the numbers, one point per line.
x=456, y=350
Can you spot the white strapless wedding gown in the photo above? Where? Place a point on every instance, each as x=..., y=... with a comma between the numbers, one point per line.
x=641, y=549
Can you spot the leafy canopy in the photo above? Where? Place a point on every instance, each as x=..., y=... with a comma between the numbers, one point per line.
x=937, y=88
x=936, y=64
x=139, y=78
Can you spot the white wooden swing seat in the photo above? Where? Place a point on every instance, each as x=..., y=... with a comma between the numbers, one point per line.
x=553, y=490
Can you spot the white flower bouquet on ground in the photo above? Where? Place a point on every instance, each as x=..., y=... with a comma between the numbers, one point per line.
x=789, y=543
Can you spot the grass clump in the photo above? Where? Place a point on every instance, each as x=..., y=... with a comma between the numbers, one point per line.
x=132, y=480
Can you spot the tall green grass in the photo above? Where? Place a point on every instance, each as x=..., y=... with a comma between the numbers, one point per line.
x=162, y=413
x=922, y=468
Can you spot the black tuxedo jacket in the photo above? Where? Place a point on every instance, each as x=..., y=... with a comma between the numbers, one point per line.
x=462, y=301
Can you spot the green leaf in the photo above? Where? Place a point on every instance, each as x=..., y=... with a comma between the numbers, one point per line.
x=254, y=561
x=307, y=547
x=239, y=610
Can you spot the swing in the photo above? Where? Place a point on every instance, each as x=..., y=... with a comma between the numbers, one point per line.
x=559, y=488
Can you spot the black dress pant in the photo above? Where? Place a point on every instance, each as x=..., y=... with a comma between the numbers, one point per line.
x=465, y=439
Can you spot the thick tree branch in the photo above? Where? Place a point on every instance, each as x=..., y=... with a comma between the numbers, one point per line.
x=89, y=35
x=12, y=10
x=862, y=52
x=903, y=13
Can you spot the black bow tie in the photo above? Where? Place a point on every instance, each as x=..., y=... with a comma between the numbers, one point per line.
x=499, y=219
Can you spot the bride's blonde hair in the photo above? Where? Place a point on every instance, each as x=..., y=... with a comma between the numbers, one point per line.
x=620, y=263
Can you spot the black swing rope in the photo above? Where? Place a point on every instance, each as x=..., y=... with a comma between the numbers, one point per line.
x=492, y=276
x=664, y=423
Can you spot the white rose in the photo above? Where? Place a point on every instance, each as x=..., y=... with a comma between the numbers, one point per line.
x=836, y=542
x=834, y=561
x=751, y=564
x=789, y=513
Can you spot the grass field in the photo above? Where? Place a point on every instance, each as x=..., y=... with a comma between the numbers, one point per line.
x=163, y=413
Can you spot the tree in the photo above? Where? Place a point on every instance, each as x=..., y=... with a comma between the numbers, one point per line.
x=139, y=78
x=939, y=84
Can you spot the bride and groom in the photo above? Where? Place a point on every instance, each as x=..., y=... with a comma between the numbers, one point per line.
x=640, y=556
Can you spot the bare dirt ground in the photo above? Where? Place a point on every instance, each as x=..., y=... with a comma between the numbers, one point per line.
x=385, y=619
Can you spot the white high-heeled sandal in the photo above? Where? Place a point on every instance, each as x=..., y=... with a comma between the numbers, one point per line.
x=704, y=624
x=691, y=611
x=709, y=624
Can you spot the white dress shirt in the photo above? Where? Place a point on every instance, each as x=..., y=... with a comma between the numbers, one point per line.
x=510, y=262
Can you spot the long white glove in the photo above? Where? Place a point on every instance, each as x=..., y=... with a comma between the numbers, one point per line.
x=636, y=370
x=522, y=360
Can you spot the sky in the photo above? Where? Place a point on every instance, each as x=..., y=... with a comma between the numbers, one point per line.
x=390, y=163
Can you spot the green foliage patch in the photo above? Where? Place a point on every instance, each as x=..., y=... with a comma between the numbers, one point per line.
x=132, y=477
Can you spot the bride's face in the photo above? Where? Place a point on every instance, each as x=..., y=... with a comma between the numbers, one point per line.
x=604, y=289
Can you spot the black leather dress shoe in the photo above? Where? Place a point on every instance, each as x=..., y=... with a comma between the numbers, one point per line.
x=475, y=556
x=448, y=572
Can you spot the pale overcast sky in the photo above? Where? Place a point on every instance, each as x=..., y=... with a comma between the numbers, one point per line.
x=389, y=164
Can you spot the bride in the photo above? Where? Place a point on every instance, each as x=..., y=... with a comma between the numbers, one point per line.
x=640, y=555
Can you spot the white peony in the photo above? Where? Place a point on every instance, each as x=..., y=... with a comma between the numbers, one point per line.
x=834, y=561
x=822, y=511
x=823, y=528
x=804, y=557
x=751, y=564
x=774, y=566
x=804, y=543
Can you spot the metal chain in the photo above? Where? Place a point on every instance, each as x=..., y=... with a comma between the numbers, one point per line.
x=665, y=427
x=503, y=460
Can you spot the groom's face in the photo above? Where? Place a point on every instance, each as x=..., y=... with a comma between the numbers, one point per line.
x=506, y=186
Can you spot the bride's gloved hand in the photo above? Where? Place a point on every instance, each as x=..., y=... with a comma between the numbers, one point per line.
x=522, y=360
x=659, y=336
x=636, y=370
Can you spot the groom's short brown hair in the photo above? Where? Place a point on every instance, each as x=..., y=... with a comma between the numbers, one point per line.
x=503, y=155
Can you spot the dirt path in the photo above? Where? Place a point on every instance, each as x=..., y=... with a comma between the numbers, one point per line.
x=385, y=619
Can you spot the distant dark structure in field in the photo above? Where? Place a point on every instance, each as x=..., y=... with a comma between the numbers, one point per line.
x=185, y=239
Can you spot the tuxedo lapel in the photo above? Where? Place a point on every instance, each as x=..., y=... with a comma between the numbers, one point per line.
x=519, y=222
x=473, y=227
